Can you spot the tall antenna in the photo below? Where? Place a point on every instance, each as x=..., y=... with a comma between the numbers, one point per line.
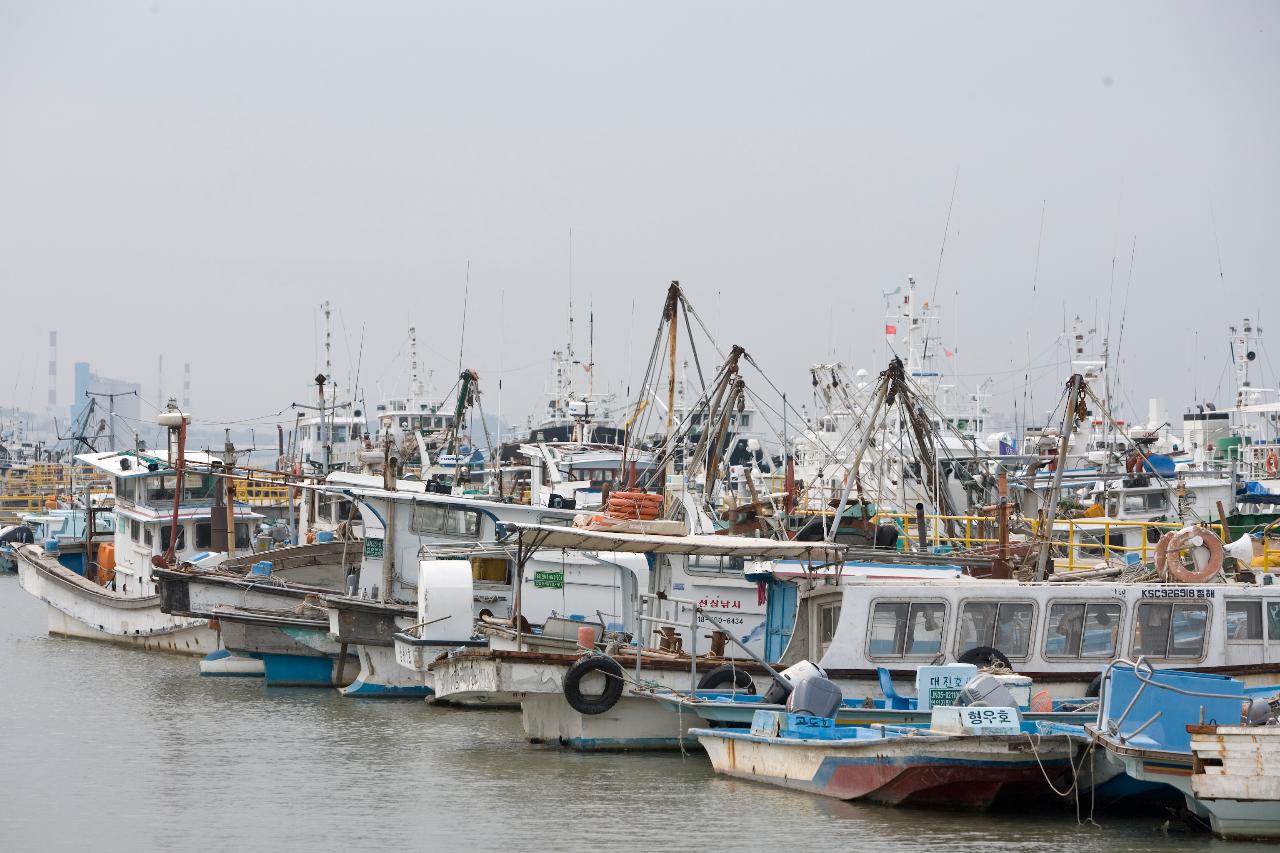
x=415, y=386
x=53, y=373
x=570, y=353
x=328, y=344
x=462, y=338
x=186, y=386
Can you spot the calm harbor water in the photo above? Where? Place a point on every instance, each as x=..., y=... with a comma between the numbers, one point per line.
x=113, y=749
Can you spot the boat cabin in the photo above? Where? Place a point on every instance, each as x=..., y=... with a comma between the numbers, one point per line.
x=1058, y=633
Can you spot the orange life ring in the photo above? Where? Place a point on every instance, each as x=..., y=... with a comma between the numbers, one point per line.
x=1273, y=463
x=1169, y=555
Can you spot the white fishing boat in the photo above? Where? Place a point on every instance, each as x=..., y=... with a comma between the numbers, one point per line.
x=168, y=507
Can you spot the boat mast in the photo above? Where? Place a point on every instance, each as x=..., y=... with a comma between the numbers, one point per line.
x=1074, y=405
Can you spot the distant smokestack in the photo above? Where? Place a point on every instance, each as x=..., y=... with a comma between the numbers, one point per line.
x=186, y=387
x=53, y=373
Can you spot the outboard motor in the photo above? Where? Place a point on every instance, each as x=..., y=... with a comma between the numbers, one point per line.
x=986, y=691
x=1258, y=713
x=815, y=696
x=793, y=675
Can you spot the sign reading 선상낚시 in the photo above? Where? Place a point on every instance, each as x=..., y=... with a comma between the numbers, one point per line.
x=548, y=580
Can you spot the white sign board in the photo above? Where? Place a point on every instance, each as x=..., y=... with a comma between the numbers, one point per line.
x=975, y=721
x=940, y=685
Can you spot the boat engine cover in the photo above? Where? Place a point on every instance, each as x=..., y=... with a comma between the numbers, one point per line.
x=793, y=675
x=985, y=691
x=815, y=696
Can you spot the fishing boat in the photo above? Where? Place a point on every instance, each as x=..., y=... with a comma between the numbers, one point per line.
x=702, y=569
x=967, y=757
x=167, y=506
x=342, y=599
x=1060, y=634
x=1200, y=734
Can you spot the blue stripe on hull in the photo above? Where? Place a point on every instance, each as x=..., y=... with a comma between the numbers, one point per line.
x=297, y=670
x=369, y=690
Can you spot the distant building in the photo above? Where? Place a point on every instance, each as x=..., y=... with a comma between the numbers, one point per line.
x=127, y=402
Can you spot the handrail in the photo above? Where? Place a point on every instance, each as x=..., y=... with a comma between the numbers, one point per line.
x=1140, y=666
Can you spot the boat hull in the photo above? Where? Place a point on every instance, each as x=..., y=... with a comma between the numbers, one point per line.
x=82, y=609
x=968, y=772
x=636, y=722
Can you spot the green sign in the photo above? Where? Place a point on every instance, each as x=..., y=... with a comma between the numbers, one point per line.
x=372, y=547
x=941, y=696
x=548, y=580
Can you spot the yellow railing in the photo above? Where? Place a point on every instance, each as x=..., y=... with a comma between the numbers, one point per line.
x=41, y=478
x=261, y=492
x=1085, y=540
x=14, y=507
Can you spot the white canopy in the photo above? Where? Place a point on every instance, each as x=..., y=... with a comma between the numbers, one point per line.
x=552, y=536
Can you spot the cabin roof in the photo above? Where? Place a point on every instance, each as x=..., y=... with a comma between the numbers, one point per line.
x=112, y=461
x=552, y=536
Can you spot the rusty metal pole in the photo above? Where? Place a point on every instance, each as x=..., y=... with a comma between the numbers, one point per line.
x=1050, y=512
x=1002, y=560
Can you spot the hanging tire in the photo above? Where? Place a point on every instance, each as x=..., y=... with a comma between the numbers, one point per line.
x=729, y=675
x=985, y=656
x=593, y=704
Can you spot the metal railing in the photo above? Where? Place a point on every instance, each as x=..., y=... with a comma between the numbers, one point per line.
x=1143, y=671
x=643, y=619
x=1084, y=540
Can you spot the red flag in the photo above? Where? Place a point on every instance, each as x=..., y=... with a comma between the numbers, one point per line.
x=890, y=330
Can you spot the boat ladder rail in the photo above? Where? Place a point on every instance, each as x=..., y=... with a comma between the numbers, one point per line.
x=1143, y=672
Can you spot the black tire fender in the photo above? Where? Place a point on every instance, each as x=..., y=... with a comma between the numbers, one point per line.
x=985, y=656
x=591, y=705
x=729, y=674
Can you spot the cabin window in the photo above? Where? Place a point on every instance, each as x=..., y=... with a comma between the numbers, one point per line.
x=243, y=540
x=1004, y=625
x=146, y=535
x=906, y=629
x=434, y=518
x=1273, y=621
x=204, y=535
x=427, y=518
x=126, y=489
x=339, y=433
x=490, y=570
x=716, y=565
x=194, y=487
x=1244, y=621
x=1170, y=630
x=135, y=530
x=165, y=532
x=828, y=620
x=1082, y=631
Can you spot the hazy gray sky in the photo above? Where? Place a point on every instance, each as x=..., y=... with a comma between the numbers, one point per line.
x=194, y=178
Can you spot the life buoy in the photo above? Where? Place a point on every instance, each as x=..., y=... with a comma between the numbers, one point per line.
x=598, y=703
x=728, y=674
x=1169, y=555
x=1273, y=463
